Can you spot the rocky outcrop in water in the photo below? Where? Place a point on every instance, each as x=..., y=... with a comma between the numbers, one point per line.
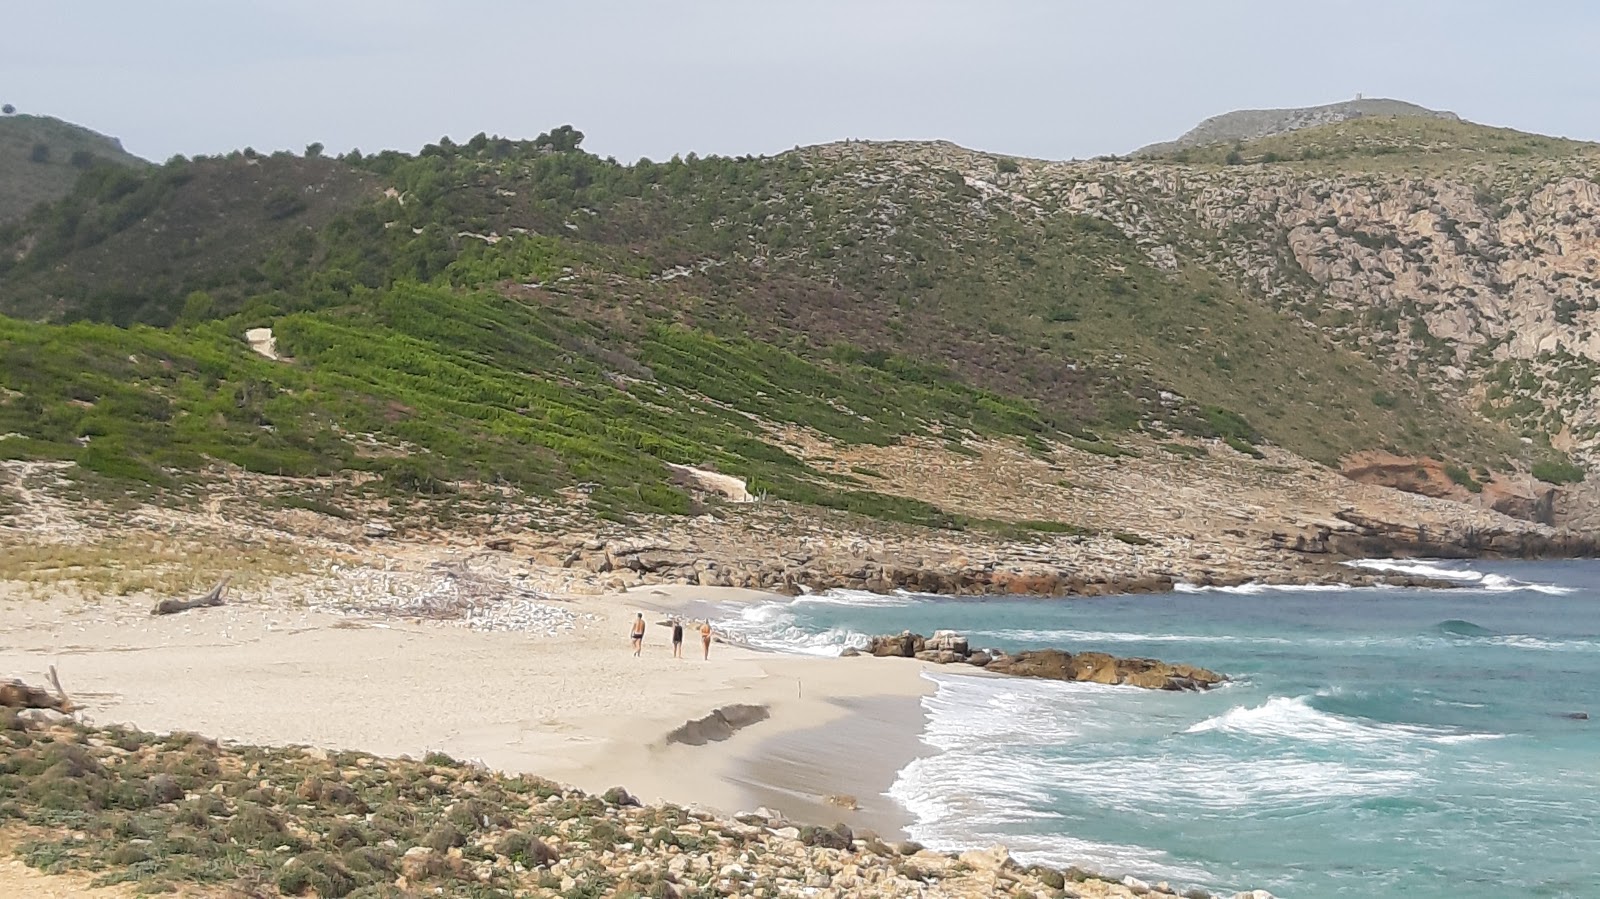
x=951, y=648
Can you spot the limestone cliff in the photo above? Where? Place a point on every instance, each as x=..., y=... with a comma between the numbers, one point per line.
x=1464, y=258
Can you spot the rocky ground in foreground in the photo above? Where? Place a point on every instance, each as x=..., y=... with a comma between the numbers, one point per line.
x=184, y=813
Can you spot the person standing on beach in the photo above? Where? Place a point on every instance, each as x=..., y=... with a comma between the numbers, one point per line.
x=677, y=638
x=705, y=639
x=638, y=634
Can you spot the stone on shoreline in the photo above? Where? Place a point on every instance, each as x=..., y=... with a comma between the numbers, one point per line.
x=948, y=648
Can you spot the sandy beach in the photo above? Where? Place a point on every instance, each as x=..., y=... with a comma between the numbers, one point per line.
x=573, y=705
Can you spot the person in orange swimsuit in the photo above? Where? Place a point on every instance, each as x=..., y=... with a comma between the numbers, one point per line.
x=705, y=639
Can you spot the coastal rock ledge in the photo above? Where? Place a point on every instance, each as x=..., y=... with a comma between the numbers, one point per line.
x=951, y=648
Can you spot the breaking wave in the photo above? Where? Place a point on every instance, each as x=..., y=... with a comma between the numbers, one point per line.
x=1475, y=580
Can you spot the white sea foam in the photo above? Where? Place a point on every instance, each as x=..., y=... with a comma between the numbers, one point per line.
x=993, y=768
x=1256, y=588
x=1285, y=718
x=1439, y=570
x=1069, y=635
x=842, y=597
x=773, y=626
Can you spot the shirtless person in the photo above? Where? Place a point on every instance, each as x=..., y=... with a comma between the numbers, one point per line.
x=677, y=638
x=638, y=634
x=705, y=639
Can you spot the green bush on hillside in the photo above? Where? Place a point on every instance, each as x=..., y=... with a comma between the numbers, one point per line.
x=1558, y=472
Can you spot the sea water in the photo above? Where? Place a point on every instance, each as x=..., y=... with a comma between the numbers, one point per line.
x=1373, y=742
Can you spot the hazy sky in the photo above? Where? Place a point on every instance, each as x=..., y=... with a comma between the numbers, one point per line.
x=1027, y=77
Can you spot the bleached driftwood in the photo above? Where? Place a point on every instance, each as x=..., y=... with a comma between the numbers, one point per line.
x=18, y=695
x=173, y=606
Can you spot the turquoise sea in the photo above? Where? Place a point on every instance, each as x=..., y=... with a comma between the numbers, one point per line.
x=1375, y=742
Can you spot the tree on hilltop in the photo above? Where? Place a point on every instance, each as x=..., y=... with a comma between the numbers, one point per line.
x=561, y=140
x=314, y=150
x=8, y=109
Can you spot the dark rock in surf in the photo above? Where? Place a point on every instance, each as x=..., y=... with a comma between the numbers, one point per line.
x=903, y=645
x=949, y=647
x=1577, y=716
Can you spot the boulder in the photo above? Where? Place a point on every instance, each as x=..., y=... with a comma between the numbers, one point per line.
x=979, y=658
x=940, y=656
x=903, y=645
x=1102, y=668
x=995, y=858
x=948, y=641
x=838, y=836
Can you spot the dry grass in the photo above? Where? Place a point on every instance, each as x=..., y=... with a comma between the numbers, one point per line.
x=126, y=565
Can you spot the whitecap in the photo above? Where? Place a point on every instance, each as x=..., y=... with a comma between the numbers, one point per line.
x=1256, y=588
x=1439, y=570
x=1284, y=718
x=843, y=597
x=774, y=626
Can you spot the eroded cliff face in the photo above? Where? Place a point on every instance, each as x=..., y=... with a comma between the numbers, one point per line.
x=1478, y=280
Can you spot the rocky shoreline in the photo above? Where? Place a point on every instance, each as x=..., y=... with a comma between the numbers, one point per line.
x=951, y=648
x=1011, y=571
x=333, y=824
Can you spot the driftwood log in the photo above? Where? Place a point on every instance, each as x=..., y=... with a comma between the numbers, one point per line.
x=18, y=695
x=173, y=606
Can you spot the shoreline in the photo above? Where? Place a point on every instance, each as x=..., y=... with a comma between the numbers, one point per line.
x=806, y=773
x=809, y=750
x=571, y=705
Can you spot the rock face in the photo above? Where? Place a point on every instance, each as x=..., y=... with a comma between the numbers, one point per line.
x=1518, y=497
x=949, y=648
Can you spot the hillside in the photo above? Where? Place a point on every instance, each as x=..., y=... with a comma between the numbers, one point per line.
x=1254, y=124
x=41, y=157
x=524, y=313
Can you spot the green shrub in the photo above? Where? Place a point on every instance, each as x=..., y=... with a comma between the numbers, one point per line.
x=1244, y=446
x=1055, y=527
x=1463, y=477
x=1554, y=472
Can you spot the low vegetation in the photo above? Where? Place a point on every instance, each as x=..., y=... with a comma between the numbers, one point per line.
x=525, y=313
x=180, y=812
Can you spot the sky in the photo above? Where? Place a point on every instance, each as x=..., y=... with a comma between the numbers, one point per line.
x=1054, y=80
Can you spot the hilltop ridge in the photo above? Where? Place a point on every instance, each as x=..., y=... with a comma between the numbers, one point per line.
x=41, y=157
x=1253, y=124
x=920, y=335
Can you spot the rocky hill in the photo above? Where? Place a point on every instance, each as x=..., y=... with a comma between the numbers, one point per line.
x=41, y=157
x=1254, y=124
x=525, y=314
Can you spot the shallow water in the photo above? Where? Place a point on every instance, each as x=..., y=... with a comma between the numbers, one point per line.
x=1379, y=742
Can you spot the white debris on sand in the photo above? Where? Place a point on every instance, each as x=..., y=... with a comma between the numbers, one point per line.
x=447, y=595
